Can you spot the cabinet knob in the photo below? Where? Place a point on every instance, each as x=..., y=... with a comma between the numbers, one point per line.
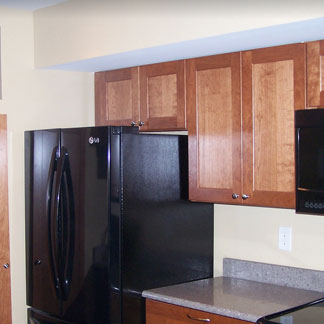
x=244, y=196
x=235, y=195
x=133, y=123
x=6, y=265
x=140, y=123
x=37, y=262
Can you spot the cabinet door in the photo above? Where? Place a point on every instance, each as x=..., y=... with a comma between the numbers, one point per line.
x=315, y=74
x=5, y=286
x=273, y=86
x=162, y=96
x=117, y=97
x=214, y=127
x=162, y=313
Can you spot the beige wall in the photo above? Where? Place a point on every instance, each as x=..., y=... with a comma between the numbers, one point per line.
x=81, y=29
x=32, y=99
x=251, y=233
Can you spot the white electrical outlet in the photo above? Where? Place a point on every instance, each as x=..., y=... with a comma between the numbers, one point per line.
x=285, y=238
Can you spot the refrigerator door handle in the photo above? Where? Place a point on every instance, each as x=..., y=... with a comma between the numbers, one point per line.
x=52, y=222
x=68, y=227
x=58, y=227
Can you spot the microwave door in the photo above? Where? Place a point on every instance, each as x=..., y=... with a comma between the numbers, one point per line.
x=310, y=159
x=310, y=170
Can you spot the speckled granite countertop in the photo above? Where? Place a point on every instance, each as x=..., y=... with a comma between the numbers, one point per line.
x=239, y=298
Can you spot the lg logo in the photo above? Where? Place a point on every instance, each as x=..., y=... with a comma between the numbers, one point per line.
x=94, y=140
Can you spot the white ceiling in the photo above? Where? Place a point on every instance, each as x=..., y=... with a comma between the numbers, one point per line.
x=29, y=4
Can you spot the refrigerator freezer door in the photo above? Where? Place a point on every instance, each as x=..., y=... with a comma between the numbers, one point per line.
x=35, y=317
x=41, y=156
x=85, y=269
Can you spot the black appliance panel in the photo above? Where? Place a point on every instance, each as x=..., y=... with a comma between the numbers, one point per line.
x=114, y=220
x=85, y=225
x=41, y=156
x=166, y=238
x=35, y=317
x=310, y=161
x=115, y=283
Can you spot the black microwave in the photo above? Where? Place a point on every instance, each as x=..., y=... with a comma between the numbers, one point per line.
x=309, y=127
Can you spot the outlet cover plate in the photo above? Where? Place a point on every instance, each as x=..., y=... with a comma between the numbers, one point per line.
x=285, y=234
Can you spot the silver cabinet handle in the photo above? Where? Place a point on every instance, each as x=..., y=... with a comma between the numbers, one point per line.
x=244, y=196
x=206, y=320
x=139, y=123
x=6, y=265
x=235, y=195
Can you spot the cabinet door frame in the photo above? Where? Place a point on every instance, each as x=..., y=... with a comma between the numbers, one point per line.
x=102, y=117
x=296, y=53
x=219, y=195
x=5, y=277
x=315, y=59
x=177, y=122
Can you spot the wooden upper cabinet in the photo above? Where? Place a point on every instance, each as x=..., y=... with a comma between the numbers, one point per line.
x=273, y=86
x=240, y=116
x=241, y=125
x=315, y=74
x=162, y=96
x=214, y=127
x=117, y=97
x=152, y=96
x=163, y=313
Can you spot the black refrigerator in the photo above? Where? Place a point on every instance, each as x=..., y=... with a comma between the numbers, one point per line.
x=108, y=216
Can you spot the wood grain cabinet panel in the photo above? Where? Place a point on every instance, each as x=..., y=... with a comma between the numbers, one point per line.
x=5, y=284
x=241, y=125
x=117, y=97
x=315, y=74
x=162, y=96
x=163, y=313
x=152, y=96
x=273, y=83
x=214, y=127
